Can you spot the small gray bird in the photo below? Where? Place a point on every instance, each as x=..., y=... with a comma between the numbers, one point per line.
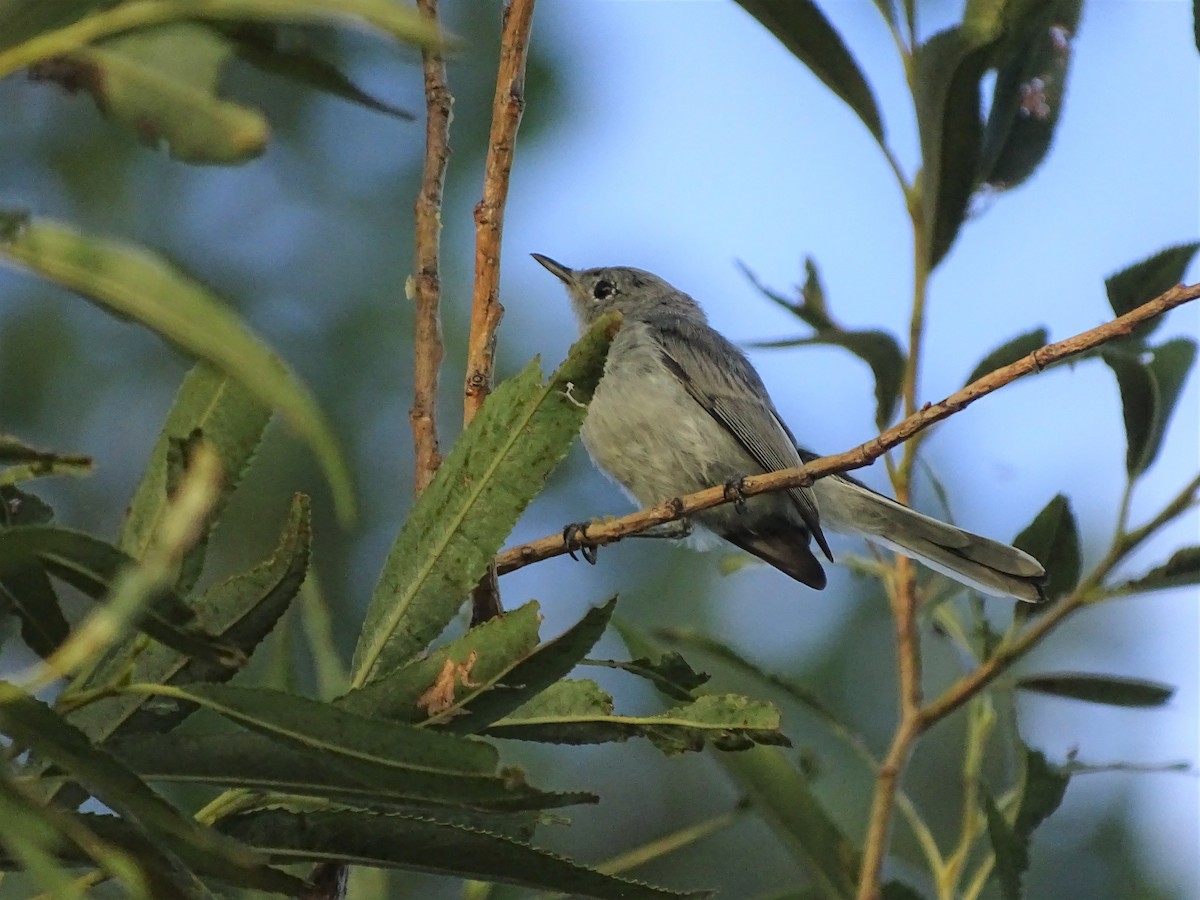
x=680, y=409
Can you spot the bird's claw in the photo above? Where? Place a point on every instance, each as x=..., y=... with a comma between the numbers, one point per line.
x=735, y=491
x=575, y=537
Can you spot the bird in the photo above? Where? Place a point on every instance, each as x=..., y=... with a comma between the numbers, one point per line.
x=680, y=408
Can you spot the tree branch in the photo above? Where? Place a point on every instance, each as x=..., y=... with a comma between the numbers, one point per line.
x=608, y=532
x=486, y=311
x=425, y=288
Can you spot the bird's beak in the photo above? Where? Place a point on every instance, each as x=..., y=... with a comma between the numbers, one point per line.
x=563, y=273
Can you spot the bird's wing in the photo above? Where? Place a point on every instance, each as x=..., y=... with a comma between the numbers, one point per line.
x=729, y=389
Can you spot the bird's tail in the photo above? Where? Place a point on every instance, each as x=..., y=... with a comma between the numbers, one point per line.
x=978, y=562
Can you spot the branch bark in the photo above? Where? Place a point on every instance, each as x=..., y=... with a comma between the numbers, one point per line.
x=608, y=532
x=486, y=311
x=425, y=288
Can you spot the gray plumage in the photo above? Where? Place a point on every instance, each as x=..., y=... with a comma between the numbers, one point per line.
x=680, y=409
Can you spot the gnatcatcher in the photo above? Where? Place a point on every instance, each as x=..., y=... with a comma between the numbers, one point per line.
x=680, y=409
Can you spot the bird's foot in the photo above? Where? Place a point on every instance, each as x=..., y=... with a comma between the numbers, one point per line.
x=575, y=537
x=735, y=491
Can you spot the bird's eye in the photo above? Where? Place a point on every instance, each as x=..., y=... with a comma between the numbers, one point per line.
x=603, y=290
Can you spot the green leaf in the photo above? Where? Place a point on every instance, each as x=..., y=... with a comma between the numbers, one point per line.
x=19, y=507
x=1041, y=793
x=578, y=712
x=1149, y=393
x=1027, y=100
x=1111, y=690
x=1182, y=569
x=949, y=67
x=409, y=842
x=1145, y=280
x=1012, y=853
x=670, y=673
x=91, y=566
x=241, y=610
x=257, y=763
x=25, y=19
x=499, y=463
x=803, y=29
x=1052, y=538
x=130, y=282
x=477, y=661
x=260, y=45
x=28, y=593
x=232, y=421
x=32, y=724
x=1009, y=352
x=877, y=349
x=162, y=84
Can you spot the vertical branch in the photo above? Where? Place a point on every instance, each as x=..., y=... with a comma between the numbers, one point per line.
x=486, y=310
x=425, y=288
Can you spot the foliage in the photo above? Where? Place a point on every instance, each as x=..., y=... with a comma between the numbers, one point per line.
x=402, y=766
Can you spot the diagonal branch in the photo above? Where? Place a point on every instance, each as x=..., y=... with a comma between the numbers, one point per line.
x=486, y=310
x=425, y=287
x=608, y=532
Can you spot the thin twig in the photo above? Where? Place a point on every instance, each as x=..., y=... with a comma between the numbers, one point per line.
x=486, y=310
x=610, y=531
x=426, y=286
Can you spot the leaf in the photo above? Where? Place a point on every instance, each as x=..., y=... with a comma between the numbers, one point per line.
x=1111, y=690
x=19, y=507
x=231, y=420
x=1041, y=793
x=499, y=463
x=877, y=349
x=257, y=763
x=27, y=591
x=1149, y=393
x=949, y=67
x=25, y=19
x=1052, y=538
x=242, y=610
x=261, y=46
x=393, y=841
x=1183, y=568
x=91, y=566
x=578, y=712
x=803, y=29
x=161, y=83
x=131, y=282
x=497, y=645
x=28, y=462
x=1145, y=280
x=1009, y=352
x=670, y=673
x=1027, y=100
x=32, y=724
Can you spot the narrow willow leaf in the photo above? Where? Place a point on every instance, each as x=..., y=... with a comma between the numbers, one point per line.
x=536, y=672
x=161, y=84
x=1183, y=568
x=1041, y=793
x=803, y=29
x=1027, y=100
x=355, y=742
x=1052, y=538
x=785, y=801
x=91, y=566
x=578, y=712
x=1110, y=690
x=948, y=71
x=133, y=283
x=257, y=763
x=1009, y=352
x=1145, y=280
x=1011, y=853
x=877, y=349
x=34, y=725
x=497, y=466
x=409, y=842
x=242, y=610
x=475, y=664
x=28, y=593
x=19, y=507
x=260, y=45
x=33, y=840
x=670, y=673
